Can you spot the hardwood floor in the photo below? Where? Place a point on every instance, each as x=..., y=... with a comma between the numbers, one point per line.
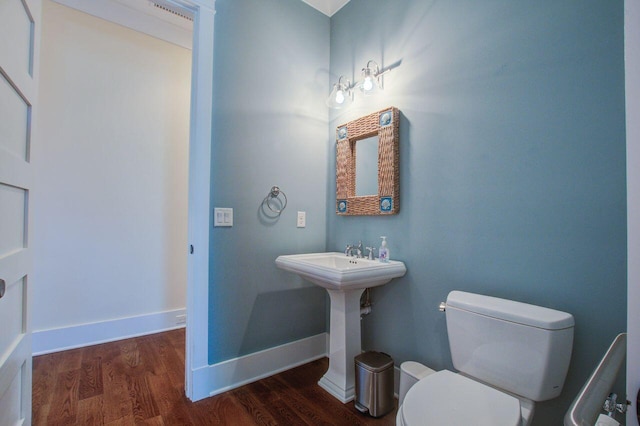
x=141, y=381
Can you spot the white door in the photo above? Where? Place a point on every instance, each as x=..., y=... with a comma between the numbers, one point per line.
x=19, y=28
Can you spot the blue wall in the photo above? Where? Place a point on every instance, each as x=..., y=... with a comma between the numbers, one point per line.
x=270, y=128
x=512, y=165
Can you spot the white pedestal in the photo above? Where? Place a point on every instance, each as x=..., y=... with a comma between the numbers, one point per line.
x=344, y=344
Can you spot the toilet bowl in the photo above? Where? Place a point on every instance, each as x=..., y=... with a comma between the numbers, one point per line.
x=508, y=355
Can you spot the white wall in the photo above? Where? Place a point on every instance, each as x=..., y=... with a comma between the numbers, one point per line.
x=632, y=71
x=110, y=204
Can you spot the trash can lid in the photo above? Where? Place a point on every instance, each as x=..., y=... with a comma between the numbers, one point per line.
x=374, y=361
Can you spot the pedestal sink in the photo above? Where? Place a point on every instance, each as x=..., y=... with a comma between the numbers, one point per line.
x=345, y=278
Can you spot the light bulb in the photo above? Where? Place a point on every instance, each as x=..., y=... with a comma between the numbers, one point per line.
x=368, y=84
x=370, y=78
x=340, y=95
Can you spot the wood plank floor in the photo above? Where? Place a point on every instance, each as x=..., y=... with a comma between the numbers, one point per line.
x=141, y=381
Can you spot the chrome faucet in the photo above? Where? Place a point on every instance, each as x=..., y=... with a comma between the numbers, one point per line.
x=370, y=255
x=348, y=251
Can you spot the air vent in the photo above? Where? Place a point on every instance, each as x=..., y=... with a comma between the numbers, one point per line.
x=174, y=11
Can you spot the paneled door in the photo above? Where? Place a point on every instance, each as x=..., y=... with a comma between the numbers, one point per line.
x=19, y=32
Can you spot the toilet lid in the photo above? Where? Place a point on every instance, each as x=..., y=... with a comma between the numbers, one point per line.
x=447, y=398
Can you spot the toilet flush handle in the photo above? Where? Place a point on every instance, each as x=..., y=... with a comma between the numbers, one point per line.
x=442, y=307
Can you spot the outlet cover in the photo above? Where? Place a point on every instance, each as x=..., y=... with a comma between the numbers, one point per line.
x=302, y=219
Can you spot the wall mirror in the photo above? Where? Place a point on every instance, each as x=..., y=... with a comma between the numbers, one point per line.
x=367, y=165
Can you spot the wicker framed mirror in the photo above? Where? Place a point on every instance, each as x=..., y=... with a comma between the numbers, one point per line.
x=384, y=124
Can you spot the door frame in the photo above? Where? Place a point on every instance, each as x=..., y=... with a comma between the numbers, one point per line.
x=200, y=132
x=632, y=95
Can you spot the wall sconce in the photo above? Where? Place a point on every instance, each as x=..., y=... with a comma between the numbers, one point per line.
x=340, y=95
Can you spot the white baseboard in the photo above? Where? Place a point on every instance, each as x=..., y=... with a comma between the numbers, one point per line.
x=214, y=379
x=77, y=336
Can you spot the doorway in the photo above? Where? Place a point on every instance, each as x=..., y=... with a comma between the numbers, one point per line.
x=194, y=247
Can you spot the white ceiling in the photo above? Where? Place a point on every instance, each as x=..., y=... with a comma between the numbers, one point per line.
x=328, y=7
x=158, y=18
x=141, y=15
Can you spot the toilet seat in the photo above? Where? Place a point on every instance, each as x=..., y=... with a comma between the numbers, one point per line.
x=447, y=398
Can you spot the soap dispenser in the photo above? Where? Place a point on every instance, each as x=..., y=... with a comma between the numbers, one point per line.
x=383, y=251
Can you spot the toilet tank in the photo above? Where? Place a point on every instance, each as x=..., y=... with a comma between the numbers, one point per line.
x=521, y=348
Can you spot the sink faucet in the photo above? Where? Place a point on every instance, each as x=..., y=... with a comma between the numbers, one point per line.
x=348, y=251
x=370, y=255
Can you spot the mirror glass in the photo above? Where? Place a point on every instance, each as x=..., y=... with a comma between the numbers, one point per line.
x=367, y=166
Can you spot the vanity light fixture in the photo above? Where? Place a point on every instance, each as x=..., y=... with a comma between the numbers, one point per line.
x=340, y=94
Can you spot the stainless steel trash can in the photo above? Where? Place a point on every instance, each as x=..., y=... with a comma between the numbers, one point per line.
x=374, y=383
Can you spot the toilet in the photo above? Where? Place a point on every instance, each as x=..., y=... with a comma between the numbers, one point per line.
x=508, y=355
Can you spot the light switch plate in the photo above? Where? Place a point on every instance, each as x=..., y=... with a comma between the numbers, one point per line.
x=222, y=216
x=302, y=219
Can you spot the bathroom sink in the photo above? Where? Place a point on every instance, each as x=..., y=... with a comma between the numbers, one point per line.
x=336, y=271
x=345, y=279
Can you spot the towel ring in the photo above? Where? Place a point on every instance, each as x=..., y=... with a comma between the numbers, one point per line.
x=275, y=193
